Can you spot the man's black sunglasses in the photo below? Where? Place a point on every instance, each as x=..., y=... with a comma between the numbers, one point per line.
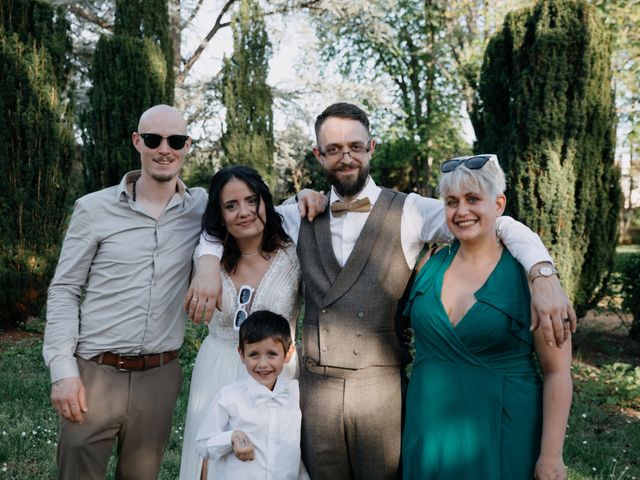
x=472, y=163
x=153, y=140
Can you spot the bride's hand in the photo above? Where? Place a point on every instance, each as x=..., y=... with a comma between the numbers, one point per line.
x=205, y=291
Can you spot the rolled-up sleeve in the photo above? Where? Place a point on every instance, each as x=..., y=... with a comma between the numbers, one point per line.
x=63, y=302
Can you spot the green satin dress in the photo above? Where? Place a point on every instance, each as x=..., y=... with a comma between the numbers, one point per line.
x=474, y=401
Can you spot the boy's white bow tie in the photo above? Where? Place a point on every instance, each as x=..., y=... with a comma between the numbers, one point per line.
x=272, y=399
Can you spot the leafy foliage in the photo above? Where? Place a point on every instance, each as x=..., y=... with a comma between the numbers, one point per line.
x=545, y=105
x=629, y=281
x=248, y=136
x=131, y=71
x=36, y=151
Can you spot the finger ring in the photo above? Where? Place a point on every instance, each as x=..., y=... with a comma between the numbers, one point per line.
x=194, y=299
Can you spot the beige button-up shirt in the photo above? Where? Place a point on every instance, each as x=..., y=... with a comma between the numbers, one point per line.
x=121, y=277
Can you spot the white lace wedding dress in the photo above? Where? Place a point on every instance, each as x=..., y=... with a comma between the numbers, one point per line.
x=218, y=362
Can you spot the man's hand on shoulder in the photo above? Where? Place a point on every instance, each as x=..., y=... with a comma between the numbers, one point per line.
x=311, y=203
x=551, y=309
x=205, y=291
x=68, y=398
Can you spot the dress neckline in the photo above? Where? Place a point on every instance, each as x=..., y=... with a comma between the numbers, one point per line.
x=440, y=284
x=258, y=289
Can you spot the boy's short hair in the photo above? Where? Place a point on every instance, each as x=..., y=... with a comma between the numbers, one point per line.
x=264, y=324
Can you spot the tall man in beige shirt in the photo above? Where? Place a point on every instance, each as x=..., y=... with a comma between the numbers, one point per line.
x=114, y=312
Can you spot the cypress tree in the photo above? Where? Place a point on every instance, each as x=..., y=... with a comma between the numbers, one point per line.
x=36, y=152
x=248, y=136
x=131, y=71
x=546, y=107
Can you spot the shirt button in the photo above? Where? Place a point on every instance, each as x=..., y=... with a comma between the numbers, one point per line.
x=355, y=352
x=325, y=330
x=324, y=349
x=360, y=314
x=358, y=333
x=324, y=311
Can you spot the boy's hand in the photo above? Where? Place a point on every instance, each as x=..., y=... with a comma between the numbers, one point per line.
x=242, y=446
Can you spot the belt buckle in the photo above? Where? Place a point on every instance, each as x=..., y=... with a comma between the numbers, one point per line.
x=120, y=364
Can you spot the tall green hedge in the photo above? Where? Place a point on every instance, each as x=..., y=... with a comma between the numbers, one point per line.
x=546, y=107
x=36, y=152
x=248, y=135
x=131, y=71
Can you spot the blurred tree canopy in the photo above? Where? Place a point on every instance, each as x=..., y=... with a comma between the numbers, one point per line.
x=131, y=71
x=248, y=135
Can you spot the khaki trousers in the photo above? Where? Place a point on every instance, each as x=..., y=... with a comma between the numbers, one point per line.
x=351, y=425
x=133, y=408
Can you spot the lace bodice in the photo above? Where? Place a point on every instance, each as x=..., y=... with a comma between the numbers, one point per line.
x=277, y=291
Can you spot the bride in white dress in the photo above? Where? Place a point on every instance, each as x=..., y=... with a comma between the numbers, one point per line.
x=257, y=253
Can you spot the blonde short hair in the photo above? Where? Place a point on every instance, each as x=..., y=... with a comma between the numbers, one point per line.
x=488, y=179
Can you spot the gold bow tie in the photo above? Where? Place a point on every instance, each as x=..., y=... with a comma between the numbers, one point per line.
x=339, y=208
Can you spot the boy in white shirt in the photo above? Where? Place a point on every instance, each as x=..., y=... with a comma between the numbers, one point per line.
x=252, y=428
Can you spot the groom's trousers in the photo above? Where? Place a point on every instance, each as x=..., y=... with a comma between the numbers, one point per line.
x=350, y=422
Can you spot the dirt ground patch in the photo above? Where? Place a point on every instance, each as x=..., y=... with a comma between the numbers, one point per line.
x=603, y=338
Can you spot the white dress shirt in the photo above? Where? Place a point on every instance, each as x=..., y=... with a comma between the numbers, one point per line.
x=423, y=221
x=271, y=420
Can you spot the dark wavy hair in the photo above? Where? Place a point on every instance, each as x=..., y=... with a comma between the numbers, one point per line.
x=274, y=236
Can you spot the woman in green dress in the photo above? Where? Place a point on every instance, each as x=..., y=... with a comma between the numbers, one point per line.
x=476, y=405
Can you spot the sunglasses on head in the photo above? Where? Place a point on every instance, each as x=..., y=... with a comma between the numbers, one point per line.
x=472, y=163
x=244, y=297
x=153, y=140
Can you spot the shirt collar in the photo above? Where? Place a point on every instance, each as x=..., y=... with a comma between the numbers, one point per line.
x=370, y=190
x=256, y=388
x=130, y=177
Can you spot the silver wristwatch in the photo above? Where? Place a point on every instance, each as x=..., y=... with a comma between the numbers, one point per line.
x=545, y=271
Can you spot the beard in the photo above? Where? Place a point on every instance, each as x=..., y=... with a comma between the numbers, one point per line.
x=348, y=187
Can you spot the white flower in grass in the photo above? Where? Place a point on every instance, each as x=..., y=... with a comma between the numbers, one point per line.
x=594, y=469
x=4, y=433
x=614, y=460
x=584, y=442
x=584, y=415
x=24, y=434
x=4, y=469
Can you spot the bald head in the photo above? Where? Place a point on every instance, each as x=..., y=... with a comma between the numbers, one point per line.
x=164, y=115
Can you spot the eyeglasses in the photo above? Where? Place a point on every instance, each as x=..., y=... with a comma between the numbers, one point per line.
x=244, y=297
x=153, y=140
x=472, y=163
x=356, y=150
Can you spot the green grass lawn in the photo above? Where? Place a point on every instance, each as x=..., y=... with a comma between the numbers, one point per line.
x=603, y=438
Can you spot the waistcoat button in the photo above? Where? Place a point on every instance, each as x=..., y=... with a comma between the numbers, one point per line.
x=360, y=314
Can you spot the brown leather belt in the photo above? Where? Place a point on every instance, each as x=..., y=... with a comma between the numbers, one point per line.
x=138, y=362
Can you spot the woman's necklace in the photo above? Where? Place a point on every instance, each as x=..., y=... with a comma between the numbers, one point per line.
x=265, y=255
